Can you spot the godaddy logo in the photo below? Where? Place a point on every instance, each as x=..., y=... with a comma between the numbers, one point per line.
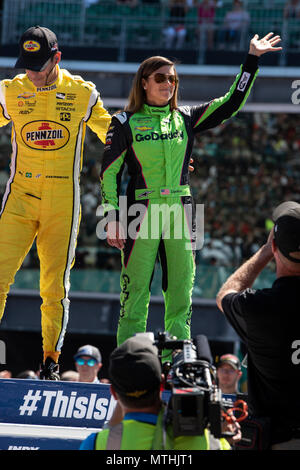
x=157, y=136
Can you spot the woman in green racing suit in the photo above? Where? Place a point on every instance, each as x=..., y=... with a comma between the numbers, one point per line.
x=154, y=138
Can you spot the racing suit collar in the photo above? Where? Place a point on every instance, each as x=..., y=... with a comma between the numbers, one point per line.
x=156, y=110
x=50, y=87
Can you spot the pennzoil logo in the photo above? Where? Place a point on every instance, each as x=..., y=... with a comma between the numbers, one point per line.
x=31, y=46
x=45, y=135
x=47, y=88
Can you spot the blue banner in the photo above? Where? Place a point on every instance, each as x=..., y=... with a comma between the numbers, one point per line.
x=38, y=414
x=54, y=403
x=37, y=443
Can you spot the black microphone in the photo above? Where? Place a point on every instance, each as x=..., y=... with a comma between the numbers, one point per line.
x=203, y=349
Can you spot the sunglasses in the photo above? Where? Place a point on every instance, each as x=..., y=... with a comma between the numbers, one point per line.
x=164, y=77
x=90, y=362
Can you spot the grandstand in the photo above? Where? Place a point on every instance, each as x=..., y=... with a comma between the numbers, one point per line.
x=124, y=31
x=242, y=169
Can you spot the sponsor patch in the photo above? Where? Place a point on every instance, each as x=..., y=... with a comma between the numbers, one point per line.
x=57, y=177
x=65, y=116
x=145, y=194
x=64, y=106
x=26, y=96
x=122, y=117
x=144, y=120
x=31, y=46
x=243, y=81
x=156, y=136
x=45, y=135
x=30, y=103
x=26, y=111
x=46, y=88
x=143, y=128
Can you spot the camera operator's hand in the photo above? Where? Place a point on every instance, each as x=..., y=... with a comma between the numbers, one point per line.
x=232, y=427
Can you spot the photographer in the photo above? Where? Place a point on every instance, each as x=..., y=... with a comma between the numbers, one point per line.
x=136, y=383
x=268, y=321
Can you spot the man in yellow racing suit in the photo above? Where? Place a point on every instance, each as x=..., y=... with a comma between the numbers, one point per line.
x=49, y=110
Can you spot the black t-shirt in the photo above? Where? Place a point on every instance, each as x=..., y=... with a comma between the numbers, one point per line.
x=268, y=321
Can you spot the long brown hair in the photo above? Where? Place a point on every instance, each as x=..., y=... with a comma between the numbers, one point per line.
x=137, y=95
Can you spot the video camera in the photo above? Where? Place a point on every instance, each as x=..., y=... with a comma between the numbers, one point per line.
x=196, y=401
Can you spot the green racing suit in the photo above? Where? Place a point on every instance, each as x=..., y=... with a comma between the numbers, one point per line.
x=156, y=145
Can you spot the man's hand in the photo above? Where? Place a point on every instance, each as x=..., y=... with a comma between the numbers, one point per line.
x=115, y=235
x=259, y=47
x=268, y=245
x=232, y=427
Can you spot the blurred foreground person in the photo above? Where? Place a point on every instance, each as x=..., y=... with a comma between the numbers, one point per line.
x=70, y=376
x=136, y=381
x=229, y=373
x=268, y=321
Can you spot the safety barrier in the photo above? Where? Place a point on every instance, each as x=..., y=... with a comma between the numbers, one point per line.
x=50, y=415
x=38, y=415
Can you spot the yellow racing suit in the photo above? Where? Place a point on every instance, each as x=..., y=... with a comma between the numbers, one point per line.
x=42, y=196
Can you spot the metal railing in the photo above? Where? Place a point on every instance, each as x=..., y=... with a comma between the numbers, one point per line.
x=145, y=26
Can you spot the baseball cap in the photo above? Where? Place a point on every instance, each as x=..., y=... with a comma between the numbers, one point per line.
x=230, y=359
x=134, y=368
x=89, y=350
x=286, y=217
x=37, y=45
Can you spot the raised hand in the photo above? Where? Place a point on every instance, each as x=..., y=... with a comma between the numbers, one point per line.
x=266, y=44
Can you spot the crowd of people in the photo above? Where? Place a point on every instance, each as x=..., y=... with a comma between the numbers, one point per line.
x=86, y=368
x=241, y=169
x=88, y=364
x=214, y=24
